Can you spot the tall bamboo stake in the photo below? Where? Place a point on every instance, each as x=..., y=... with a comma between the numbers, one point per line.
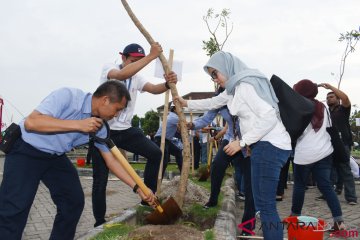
x=163, y=130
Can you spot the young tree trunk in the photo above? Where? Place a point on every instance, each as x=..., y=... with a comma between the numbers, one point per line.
x=184, y=133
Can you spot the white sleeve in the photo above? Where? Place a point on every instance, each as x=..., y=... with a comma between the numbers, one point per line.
x=209, y=103
x=266, y=118
x=139, y=81
x=105, y=71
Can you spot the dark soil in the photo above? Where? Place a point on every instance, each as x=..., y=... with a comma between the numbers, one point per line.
x=165, y=232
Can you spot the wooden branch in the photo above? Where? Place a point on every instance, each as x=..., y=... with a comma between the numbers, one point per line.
x=180, y=195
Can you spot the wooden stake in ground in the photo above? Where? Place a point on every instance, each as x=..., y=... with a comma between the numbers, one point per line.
x=180, y=195
x=192, y=144
x=163, y=129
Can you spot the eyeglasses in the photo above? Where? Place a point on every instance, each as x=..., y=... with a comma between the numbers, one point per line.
x=214, y=75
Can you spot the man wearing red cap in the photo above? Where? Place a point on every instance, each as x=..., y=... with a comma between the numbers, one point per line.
x=122, y=133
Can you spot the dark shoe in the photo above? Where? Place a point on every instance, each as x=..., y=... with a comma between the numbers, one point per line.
x=209, y=205
x=279, y=198
x=241, y=196
x=320, y=198
x=338, y=191
x=352, y=203
x=98, y=223
x=144, y=204
x=338, y=226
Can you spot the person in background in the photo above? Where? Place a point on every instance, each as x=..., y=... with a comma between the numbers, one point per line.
x=340, y=108
x=313, y=154
x=170, y=147
x=63, y=120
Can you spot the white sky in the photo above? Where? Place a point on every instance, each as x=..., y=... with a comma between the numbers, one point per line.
x=45, y=45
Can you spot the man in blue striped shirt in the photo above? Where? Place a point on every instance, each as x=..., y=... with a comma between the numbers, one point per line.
x=63, y=120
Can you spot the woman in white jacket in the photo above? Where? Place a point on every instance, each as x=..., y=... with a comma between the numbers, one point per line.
x=313, y=154
x=249, y=95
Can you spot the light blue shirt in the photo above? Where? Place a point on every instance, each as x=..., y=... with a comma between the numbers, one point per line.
x=209, y=117
x=171, y=126
x=66, y=104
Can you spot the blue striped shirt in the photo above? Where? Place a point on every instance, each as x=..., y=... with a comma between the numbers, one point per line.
x=65, y=104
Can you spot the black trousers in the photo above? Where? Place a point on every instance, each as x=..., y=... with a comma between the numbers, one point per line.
x=132, y=140
x=170, y=149
x=24, y=168
x=218, y=168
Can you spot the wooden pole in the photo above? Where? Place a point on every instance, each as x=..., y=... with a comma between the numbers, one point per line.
x=180, y=194
x=192, y=144
x=163, y=129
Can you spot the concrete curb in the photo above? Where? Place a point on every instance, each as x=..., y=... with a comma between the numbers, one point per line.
x=127, y=216
x=225, y=224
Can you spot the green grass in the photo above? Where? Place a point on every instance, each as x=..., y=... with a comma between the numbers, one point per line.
x=355, y=153
x=141, y=166
x=209, y=235
x=115, y=231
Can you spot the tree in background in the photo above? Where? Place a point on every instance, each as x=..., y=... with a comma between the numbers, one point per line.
x=351, y=39
x=136, y=120
x=150, y=123
x=220, y=21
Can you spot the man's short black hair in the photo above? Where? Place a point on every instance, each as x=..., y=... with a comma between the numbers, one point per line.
x=114, y=89
x=332, y=93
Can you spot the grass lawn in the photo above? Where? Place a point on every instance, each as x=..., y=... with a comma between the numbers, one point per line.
x=355, y=153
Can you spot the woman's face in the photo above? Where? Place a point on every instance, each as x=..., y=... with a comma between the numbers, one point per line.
x=217, y=77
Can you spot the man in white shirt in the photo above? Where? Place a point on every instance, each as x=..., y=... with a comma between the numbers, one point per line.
x=122, y=133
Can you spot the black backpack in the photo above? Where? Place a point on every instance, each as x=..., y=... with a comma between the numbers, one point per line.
x=296, y=111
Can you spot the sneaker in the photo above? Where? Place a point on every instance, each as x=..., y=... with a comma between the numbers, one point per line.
x=352, y=203
x=320, y=198
x=209, y=205
x=100, y=222
x=241, y=196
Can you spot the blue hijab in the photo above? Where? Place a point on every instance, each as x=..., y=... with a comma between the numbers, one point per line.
x=237, y=72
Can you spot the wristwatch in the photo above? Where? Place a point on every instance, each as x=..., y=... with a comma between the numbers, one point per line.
x=242, y=143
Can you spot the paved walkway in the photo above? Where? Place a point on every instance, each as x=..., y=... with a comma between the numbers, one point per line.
x=314, y=208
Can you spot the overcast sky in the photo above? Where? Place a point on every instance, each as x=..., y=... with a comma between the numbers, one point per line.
x=45, y=45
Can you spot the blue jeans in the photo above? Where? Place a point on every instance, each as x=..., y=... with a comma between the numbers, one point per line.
x=239, y=177
x=204, y=153
x=266, y=163
x=24, y=168
x=321, y=171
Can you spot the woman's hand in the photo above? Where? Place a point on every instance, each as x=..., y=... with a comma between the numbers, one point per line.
x=182, y=101
x=232, y=148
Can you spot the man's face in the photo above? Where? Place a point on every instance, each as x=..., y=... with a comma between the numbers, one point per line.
x=332, y=100
x=130, y=59
x=109, y=110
